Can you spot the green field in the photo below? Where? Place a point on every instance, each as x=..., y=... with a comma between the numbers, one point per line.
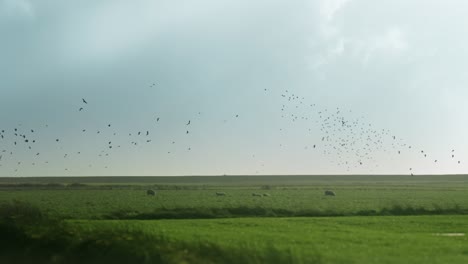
x=402, y=239
x=372, y=219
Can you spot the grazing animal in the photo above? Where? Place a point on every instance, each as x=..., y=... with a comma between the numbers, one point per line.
x=256, y=194
x=329, y=193
x=220, y=194
x=150, y=192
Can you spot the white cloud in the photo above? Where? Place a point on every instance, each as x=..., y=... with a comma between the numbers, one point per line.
x=328, y=8
x=338, y=37
x=392, y=42
x=15, y=8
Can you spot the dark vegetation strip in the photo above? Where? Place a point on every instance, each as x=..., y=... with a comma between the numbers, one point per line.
x=29, y=236
x=211, y=213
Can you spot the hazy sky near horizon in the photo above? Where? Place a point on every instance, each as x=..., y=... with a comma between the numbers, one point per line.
x=395, y=65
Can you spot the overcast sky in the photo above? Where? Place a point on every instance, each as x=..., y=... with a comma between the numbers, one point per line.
x=397, y=66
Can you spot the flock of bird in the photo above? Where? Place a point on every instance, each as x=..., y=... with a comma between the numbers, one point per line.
x=350, y=142
x=353, y=141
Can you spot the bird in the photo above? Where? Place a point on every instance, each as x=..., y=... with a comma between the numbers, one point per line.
x=81, y=109
x=84, y=101
x=188, y=123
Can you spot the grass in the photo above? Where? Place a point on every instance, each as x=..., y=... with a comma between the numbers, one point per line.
x=383, y=219
x=31, y=237
x=402, y=239
x=355, y=199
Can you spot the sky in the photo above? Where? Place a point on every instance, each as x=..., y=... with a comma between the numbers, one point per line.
x=262, y=82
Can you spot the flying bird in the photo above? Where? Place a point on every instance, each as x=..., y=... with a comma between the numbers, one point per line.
x=84, y=101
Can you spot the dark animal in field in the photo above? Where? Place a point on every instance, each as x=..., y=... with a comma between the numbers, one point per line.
x=266, y=194
x=220, y=194
x=256, y=194
x=150, y=192
x=329, y=193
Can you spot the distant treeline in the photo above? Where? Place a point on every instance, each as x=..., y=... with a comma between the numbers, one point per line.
x=41, y=185
x=59, y=186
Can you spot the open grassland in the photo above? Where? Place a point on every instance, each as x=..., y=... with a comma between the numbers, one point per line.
x=301, y=196
x=370, y=239
x=383, y=219
x=402, y=239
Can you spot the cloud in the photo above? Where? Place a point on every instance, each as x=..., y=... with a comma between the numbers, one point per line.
x=338, y=36
x=391, y=42
x=328, y=8
x=16, y=8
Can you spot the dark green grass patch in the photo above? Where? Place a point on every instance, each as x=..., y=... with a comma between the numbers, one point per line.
x=28, y=236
